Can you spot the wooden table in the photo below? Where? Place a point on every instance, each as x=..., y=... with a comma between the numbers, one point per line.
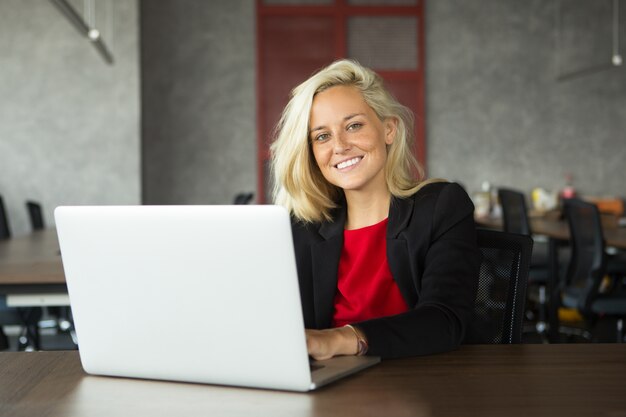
x=490, y=380
x=558, y=229
x=31, y=271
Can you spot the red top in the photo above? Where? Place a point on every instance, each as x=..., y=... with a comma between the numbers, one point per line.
x=365, y=287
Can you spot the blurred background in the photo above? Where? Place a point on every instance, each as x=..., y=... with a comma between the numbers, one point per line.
x=519, y=94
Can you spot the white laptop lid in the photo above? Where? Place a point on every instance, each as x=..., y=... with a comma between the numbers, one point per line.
x=191, y=293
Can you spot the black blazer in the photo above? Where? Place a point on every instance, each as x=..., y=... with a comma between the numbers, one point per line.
x=433, y=257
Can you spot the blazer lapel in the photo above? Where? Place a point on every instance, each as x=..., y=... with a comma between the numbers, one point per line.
x=400, y=213
x=325, y=256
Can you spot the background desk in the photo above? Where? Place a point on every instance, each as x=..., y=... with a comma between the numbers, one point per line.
x=31, y=271
x=494, y=380
x=558, y=229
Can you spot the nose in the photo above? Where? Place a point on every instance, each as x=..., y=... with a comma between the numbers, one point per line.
x=341, y=143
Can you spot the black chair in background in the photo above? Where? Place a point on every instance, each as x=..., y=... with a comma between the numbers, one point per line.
x=35, y=214
x=501, y=296
x=514, y=211
x=581, y=289
x=243, y=198
x=515, y=220
x=5, y=231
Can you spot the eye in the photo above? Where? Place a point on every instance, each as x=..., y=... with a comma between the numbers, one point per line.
x=322, y=137
x=354, y=126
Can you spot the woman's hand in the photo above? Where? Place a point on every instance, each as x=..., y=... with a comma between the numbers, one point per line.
x=324, y=344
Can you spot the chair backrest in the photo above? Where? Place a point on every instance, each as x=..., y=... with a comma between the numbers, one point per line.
x=588, y=260
x=35, y=215
x=243, y=198
x=501, y=295
x=514, y=211
x=5, y=232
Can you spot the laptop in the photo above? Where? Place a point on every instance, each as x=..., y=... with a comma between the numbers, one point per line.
x=204, y=294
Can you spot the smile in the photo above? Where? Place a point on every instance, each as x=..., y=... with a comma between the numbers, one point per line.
x=349, y=162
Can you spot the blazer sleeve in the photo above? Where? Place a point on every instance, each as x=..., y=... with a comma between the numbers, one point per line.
x=303, y=238
x=445, y=276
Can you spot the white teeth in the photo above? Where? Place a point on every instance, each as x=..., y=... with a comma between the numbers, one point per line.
x=348, y=163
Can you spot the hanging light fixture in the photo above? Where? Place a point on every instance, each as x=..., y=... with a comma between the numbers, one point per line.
x=84, y=28
x=616, y=57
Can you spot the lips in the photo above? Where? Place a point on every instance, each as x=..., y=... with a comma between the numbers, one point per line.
x=349, y=162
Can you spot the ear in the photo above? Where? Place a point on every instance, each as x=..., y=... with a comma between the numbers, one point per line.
x=390, y=124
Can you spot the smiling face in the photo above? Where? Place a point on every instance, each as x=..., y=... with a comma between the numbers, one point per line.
x=349, y=141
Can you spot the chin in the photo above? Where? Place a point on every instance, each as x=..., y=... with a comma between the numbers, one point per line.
x=351, y=187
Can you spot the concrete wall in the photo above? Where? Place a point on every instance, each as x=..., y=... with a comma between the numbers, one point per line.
x=69, y=123
x=198, y=98
x=495, y=110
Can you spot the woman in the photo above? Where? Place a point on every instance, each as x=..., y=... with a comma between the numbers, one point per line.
x=387, y=263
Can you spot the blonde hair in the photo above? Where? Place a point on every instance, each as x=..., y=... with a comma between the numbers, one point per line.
x=298, y=183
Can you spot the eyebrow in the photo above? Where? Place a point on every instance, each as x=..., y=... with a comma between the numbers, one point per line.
x=345, y=119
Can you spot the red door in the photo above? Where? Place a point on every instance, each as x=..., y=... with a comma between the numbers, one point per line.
x=293, y=41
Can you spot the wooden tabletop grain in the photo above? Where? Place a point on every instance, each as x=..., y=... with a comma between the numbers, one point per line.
x=496, y=380
x=31, y=259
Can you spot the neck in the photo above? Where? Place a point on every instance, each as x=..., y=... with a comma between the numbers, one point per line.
x=366, y=209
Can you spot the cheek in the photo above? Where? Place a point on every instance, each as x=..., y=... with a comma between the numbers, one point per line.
x=372, y=139
x=320, y=156
x=374, y=144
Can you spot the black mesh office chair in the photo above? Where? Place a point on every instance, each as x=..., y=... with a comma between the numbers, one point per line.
x=500, y=300
x=35, y=214
x=587, y=268
x=515, y=220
